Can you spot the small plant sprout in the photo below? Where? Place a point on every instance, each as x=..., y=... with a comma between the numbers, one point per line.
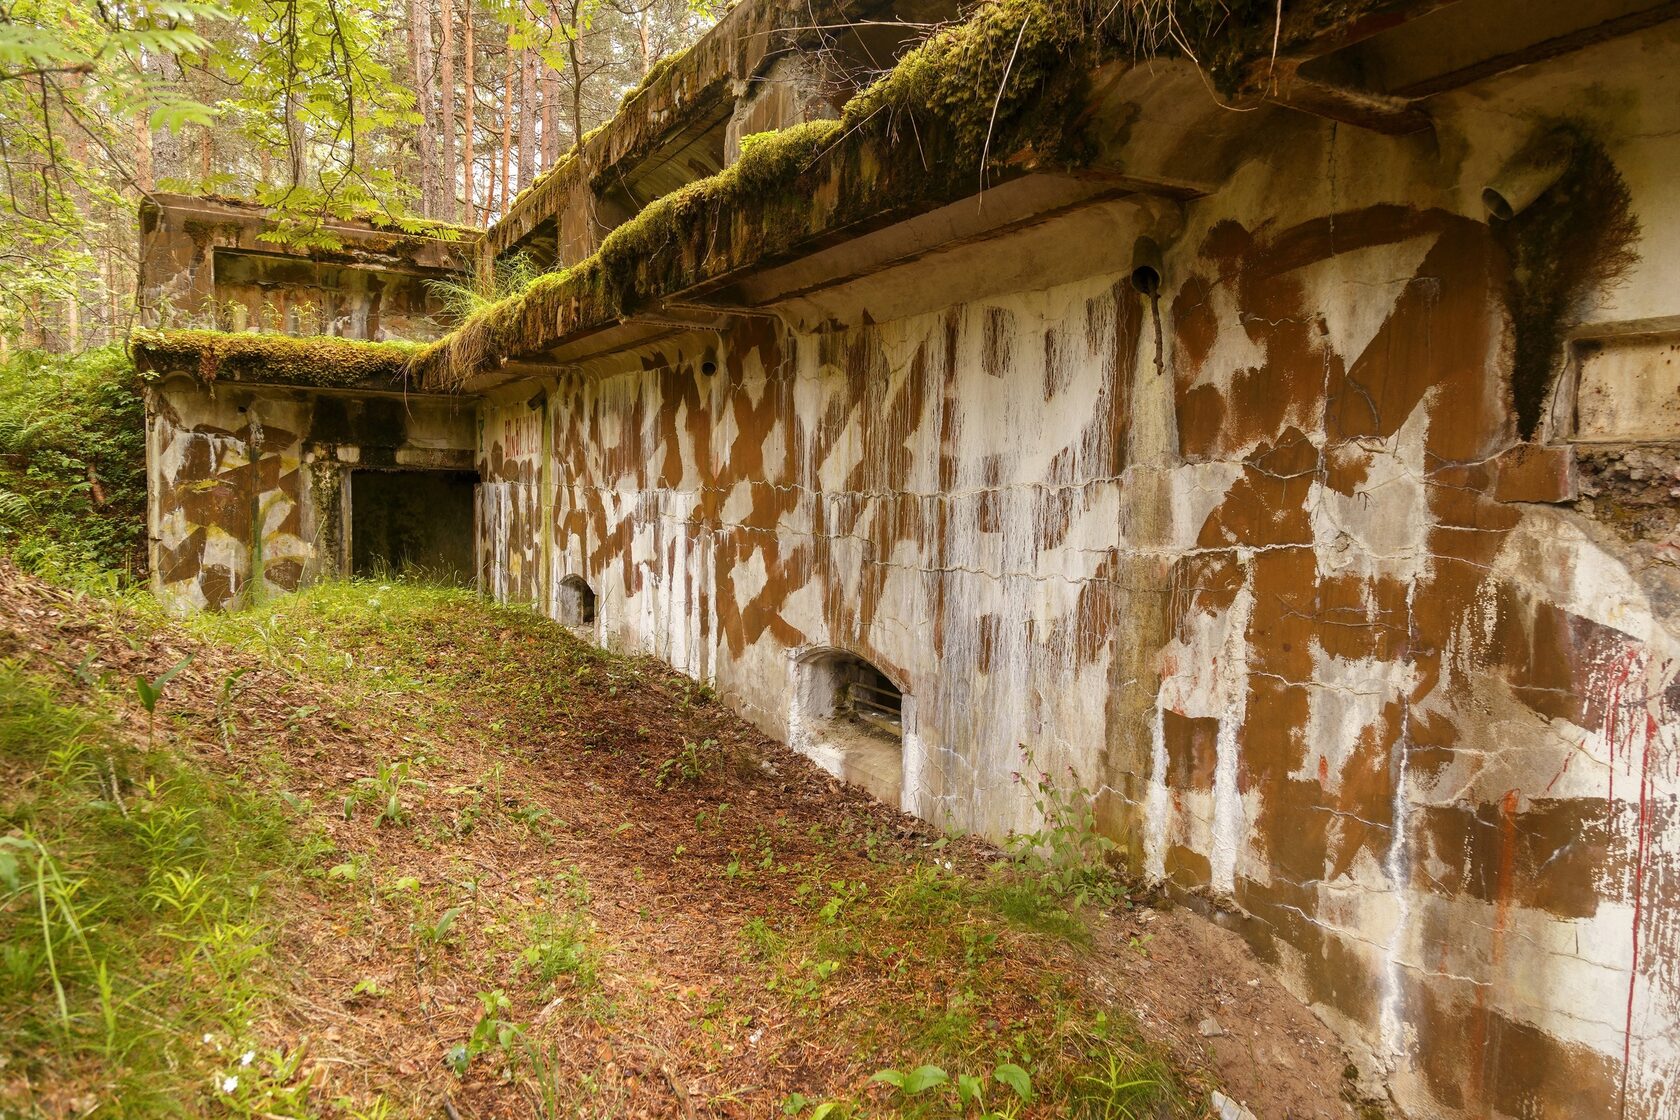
x=437, y=932
x=969, y=1089
x=384, y=788
x=493, y=1031
x=691, y=764
x=151, y=691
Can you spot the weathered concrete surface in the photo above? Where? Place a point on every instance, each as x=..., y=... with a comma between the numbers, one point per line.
x=206, y=263
x=758, y=69
x=1344, y=573
x=247, y=482
x=1416, y=742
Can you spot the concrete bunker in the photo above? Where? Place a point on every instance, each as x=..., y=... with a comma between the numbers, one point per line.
x=1357, y=608
x=412, y=522
x=577, y=603
x=848, y=717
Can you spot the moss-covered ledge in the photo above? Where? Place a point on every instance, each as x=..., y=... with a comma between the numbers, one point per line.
x=1008, y=89
x=317, y=362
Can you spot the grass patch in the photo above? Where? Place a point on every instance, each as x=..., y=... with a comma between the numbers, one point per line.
x=936, y=979
x=526, y=871
x=134, y=950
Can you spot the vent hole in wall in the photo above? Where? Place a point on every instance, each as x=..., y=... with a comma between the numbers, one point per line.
x=849, y=718
x=577, y=603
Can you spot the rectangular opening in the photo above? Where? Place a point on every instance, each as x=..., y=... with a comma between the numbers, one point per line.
x=1627, y=387
x=413, y=523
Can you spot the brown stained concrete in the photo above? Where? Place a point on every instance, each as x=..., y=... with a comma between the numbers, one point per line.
x=249, y=480
x=1303, y=609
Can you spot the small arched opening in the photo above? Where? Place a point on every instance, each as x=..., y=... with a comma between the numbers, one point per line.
x=577, y=603
x=848, y=717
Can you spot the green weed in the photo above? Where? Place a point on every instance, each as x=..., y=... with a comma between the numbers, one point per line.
x=690, y=765
x=130, y=924
x=493, y=1031
x=558, y=937
x=1065, y=857
x=384, y=788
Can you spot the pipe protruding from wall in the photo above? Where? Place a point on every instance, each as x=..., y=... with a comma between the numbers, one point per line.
x=1146, y=266
x=1528, y=175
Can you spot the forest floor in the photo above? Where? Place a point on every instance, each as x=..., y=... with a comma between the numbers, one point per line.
x=381, y=850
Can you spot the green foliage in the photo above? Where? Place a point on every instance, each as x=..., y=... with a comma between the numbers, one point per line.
x=151, y=691
x=558, y=935
x=436, y=932
x=964, y=1094
x=303, y=88
x=693, y=763
x=493, y=1031
x=73, y=466
x=130, y=926
x=1066, y=857
x=384, y=789
x=72, y=84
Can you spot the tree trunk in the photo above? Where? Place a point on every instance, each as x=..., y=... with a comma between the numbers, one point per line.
x=143, y=177
x=527, y=116
x=550, y=94
x=647, y=47
x=469, y=141
x=425, y=91
x=507, y=127
x=574, y=53
x=446, y=113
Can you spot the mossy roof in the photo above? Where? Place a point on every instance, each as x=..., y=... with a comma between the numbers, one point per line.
x=1001, y=93
x=319, y=361
x=1006, y=88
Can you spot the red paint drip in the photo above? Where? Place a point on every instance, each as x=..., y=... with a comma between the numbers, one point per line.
x=1640, y=849
x=1564, y=769
x=1613, y=703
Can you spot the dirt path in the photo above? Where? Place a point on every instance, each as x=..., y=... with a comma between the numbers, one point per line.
x=679, y=917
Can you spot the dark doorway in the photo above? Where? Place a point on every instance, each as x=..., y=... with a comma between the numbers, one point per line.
x=415, y=523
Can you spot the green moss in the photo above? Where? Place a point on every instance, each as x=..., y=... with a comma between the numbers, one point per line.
x=655, y=72
x=971, y=78
x=317, y=361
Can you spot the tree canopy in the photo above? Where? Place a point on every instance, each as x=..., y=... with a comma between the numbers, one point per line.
x=411, y=111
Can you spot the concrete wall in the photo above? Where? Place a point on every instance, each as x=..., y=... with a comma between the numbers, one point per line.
x=248, y=482
x=212, y=263
x=1269, y=565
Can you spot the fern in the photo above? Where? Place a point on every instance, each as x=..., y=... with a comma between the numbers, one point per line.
x=14, y=507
